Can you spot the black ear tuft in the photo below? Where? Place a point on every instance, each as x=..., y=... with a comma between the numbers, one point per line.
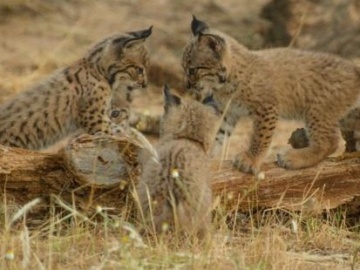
x=141, y=33
x=137, y=36
x=210, y=101
x=197, y=27
x=170, y=99
x=146, y=33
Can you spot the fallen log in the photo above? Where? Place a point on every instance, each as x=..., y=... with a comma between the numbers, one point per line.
x=101, y=171
x=89, y=172
x=332, y=184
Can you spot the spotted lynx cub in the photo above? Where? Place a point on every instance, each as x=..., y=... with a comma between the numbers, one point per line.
x=174, y=189
x=317, y=88
x=79, y=96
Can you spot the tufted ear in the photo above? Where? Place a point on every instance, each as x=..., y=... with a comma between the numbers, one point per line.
x=197, y=26
x=170, y=100
x=137, y=37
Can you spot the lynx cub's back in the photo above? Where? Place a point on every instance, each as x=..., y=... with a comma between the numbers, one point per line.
x=318, y=88
x=79, y=96
x=174, y=190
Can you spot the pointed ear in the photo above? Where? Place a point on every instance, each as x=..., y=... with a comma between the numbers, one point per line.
x=137, y=37
x=141, y=33
x=198, y=27
x=170, y=100
x=215, y=43
x=210, y=101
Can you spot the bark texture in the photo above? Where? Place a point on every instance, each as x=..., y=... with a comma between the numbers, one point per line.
x=101, y=171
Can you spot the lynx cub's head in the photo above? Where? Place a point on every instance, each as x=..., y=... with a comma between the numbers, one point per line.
x=123, y=60
x=189, y=119
x=206, y=60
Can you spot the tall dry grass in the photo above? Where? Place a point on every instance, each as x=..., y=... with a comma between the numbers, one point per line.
x=67, y=239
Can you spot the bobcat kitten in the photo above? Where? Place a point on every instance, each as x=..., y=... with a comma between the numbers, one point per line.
x=79, y=96
x=174, y=188
x=317, y=88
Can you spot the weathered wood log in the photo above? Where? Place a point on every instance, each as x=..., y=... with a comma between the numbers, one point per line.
x=89, y=172
x=331, y=184
x=93, y=171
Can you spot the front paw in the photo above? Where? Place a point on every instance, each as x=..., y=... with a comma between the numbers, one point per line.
x=288, y=159
x=245, y=163
x=282, y=161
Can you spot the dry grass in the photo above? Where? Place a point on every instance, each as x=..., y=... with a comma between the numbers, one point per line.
x=40, y=36
x=71, y=241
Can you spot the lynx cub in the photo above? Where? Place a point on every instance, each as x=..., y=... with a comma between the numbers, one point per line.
x=79, y=96
x=317, y=88
x=174, y=190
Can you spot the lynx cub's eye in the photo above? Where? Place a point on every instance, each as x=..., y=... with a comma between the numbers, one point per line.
x=192, y=71
x=115, y=114
x=139, y=70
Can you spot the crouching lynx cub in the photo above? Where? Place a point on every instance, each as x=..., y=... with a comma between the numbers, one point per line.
x=317, y=88
x=79, y=96
x=174, y=188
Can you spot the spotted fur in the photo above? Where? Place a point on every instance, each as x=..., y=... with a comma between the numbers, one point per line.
x=119, y=114
x=79, y=96
x=174, y=188
x=317, y=88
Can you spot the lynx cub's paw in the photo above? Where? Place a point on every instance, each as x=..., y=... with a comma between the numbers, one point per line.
x=245, y=163
x=290, y=159
x=281, y=161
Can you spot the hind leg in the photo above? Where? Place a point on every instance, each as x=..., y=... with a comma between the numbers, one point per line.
x=323, y=141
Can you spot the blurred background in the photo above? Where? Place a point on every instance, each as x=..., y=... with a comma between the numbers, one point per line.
x=39, y=36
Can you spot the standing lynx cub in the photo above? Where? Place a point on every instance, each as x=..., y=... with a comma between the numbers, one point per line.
x=317, y=88
x=174, y=188
x=79, y=96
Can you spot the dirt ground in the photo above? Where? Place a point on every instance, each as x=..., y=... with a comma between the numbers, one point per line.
x=40, y=37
